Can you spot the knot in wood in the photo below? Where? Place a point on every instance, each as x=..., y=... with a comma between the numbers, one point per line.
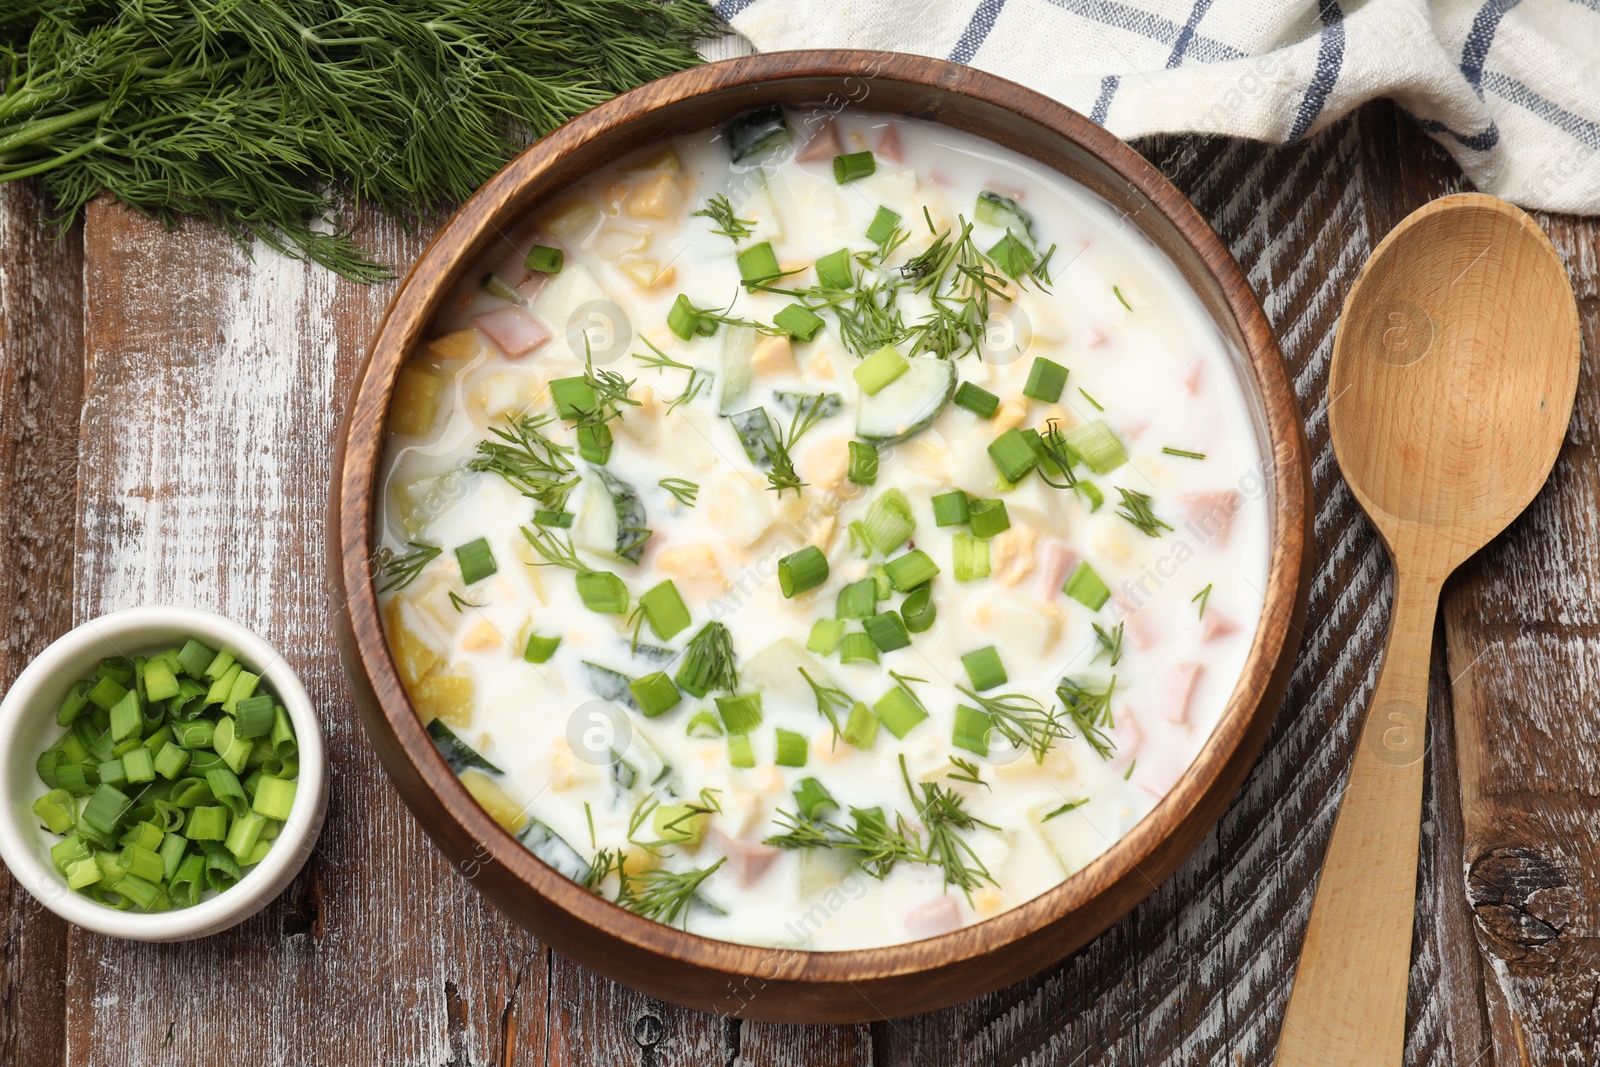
x=648, y=1030
x=1513, y=891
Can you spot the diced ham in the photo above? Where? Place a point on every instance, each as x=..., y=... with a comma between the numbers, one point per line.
x=889, y=145
x=1216, y=626
x=1177, y=690
x=938, y=916
x=1059, y=562
x=1093, y=338
x=824, y=144
x=1132, y=430
x=748, y=859
x=514, y=330
x=1158, y=776
x=1191, y=381
x=1126, y=738
x=1137, y=623
x=1210, y=515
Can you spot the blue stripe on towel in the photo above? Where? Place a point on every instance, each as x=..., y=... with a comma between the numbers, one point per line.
x=1581, y=129
x=1479, y=40
x=977, y=30
x=1330, y=57
x=729, y=8
x=1478, y=142
x=1102, y=103
x=1186, y=35
x=1136, y=20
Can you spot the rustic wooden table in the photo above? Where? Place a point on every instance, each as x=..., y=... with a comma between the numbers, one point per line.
x=168, y=409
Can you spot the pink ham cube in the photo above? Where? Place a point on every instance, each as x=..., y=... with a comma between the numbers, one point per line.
x=514, y=330
x=1137, y=623
x=889, y=146
x=1158, y=776
x=1216, y=626
x=938, y=916
x=1059, y=561
x=748, y=859
x=824, y=144
x=1126, y=738
x=1177, y=690
x=1191, y=380
x=1210, y=515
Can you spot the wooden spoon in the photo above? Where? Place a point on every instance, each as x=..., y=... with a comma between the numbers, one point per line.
x=1452, y=382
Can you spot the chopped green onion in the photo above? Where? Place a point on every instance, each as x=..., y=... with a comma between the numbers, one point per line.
x=833, y=271
x=1014, y=454
x=252, y=717
x=741, y=712
x=704, y=725
x=880, y=579
x=1182, y=453
x=603, y=592
x=682, y=319
x=79, y=779
x=984, y=668
x=977, y=400
x=220, y=665
x=195, y=734
x=988, y=517
x=863, y=463
x=160, y=683
x=231, y=749
x=139, y=766
x=105, y=809
x=1087, y=587
x=655, y=694
x=758, y=263
x=972, y=729
x=910, y=570
x=497, y=286
x=665, y=610
x=679, y=824
x=1097, y=446
x=58, y=810
x=194, y=658
x=244, y=684
x=802, y=571
x=111, y=772
x=1090, y=492
x=171, y=760
x=900, y=710
x=274, y=797
x=918, y=610
x=950, y=509
x=1012, y=256
x=545, y=517
x=227, y=788
x=887, y=630
x=799, y=322
x=1046, y=380
x=812, y=798
x=879, y=369
x=594, y=443
x=144, y=894
x=540, y=649
x=574, y=397
x=969, y=557
x=106, y=693
x=825, y=635
x=861, y=728
x=857, y=648
x=855, y=165
x=126, y=717
x=793, y=748
x=888, y=523
x=544, y=259
x=858, y=600
x=883, y=225
x=740, y=752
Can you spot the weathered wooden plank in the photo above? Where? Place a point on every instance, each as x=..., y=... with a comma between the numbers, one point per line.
x=41, y=391
x=213, y=389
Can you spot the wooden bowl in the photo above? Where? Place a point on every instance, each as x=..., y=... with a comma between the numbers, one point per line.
x=782, y=984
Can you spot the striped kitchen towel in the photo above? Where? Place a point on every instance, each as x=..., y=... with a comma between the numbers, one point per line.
x=1511, y=89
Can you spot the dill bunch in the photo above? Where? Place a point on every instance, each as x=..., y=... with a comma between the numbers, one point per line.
x=258, y=114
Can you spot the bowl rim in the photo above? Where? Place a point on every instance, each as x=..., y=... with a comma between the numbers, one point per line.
x=1233, y=743
x=30, y=698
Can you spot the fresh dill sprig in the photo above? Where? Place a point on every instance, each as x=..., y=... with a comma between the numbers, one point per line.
x=1110, y=642
x=1060, y=454
x=1089, y=708
x=1071, y=805
x=807, y=413
x=262, y=118
x=533, y=464
x=664, y=895
x=556, y=552
x=830, y=701
x=942, y=812
x=659, y=359
x=1022, y=720
x=708, y=662
x=1182, y=453
x=610, y=392
x=1135, y=507
x=682, y=488
x=1096, y=404
x=1201, y=598
x=725, y=318
x=403, y=570
x=1121, y=299
x=458, y=602
x=965, y=771
x=697, y=381
x=727, y=224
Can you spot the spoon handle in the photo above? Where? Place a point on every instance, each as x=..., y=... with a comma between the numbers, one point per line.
x=1348, y=1004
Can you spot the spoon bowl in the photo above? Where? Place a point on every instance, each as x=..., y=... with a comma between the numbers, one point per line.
x=1453, y=376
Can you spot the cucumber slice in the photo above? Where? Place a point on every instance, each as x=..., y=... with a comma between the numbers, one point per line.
x=608, y=516
x=549, y=846
x=756, y=434
x=755, y=131
x=775, y=670
x=1003, y=213
x=909, y=403
x=610, y=685
x=734, y=367
x=828, y=403
x=456, y=752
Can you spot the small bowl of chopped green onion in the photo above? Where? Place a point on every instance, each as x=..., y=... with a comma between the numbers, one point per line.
x=163, y=775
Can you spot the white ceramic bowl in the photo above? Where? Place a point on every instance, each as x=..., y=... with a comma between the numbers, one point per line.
x=28, y=727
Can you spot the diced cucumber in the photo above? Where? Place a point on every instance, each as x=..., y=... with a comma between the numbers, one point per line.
x=734, y=367
x=549, y=846
x=608, y=516
x=1003, y=213
x=756, y=434
x=456, y=752
x=755, y=131
x=827, y=403
x=775, y=670
x=909, y=403
x=609, y=685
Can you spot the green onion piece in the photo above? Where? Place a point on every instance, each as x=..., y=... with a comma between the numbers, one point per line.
x=665, y=610
x=855, y=165
x=594, y=442
x=58, y=810
x=984, y=668
x=274, y=797
x=118, y=668
x=252, y=717
x=977, y=400
x=284, y=745
x=972, y=729
x=1046, y=380
x=1090, y=492
x=883, y=225
x=139, y=766
x=142, y=862
x=858, y=600
x=227, y=788
x=79, y=779
x=1014, y=454
x=544, y=259
x=160, y=683
x=1087, y=587
x=900, y=710
x=540, y=649
x=857, y=648
x=603, y=592
x=497, y=286
x=223, y=685
x=861, y=728
x=244, y=684
x=758, y=263
x=195, y=734
x=793, y=749
x=126, y=717
x=106, y=693
x=740, y=752
x=741, y=712
x=171, y=760
x=144, y=894
x=799, y=322
x=879, y=369
x=887, y=630
x=802, y=571
x=476, y=560
x=233, y=750
x=880, y=579
x=74, y=702
x=1097, y=446
x=825, y=635
x=188, y=881
x=918, y=610
x=683, y=319
x=704, y=724
x=655, y=694
x=988, y=517
x=969, y=557
x=69, y=850
x=105, y=810
x=173, y=848
x=194, y=658
x=559, y=519
x=219, y=665
x=1012, y=256
x=863, y=463
x=45, y=766
x=812, y=798
x=888, y=523
x=950, y=509
x=243, y=835
x=111, y=772
x=678, y=824
x=910, y=570
x=574, y=397
x=833, y=270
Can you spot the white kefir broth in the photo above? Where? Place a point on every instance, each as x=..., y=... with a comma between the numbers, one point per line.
x=1136, y=342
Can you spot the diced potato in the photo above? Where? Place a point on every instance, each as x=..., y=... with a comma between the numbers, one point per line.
x=1009, y=415
x=461, y=344
x=570, y=218
x=415, y=406
x=1011, y=553
x=774, y=356
x=659, y=197
x=635, y=861
x=1057, y=766
x=647, y=273
x=741, y=811
x=531, y=570
x=413, y=657
x=1029, y=626
x=822, y=533
x=828, y=462
x=482, y=638
x=567, y=771
x=740, y=508
x=987, y=901
x=444, y=696
x=821, y=366
x=500, y=805
x=695, y=567
x=643, y=423
x=665, y=158
x=767, y=780
x=613, y=243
